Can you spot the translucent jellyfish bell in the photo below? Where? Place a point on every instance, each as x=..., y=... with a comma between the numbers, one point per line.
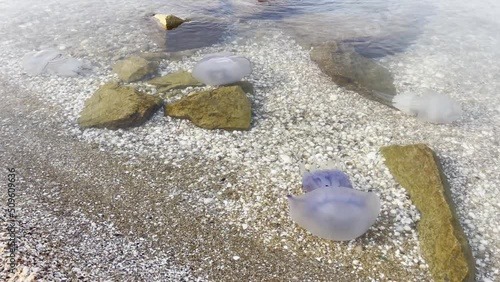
x=331, y=208
x=51, y=61
x=430, y=106
x=338, y=214
x=221, y=68
x=34, y=63
x=323, y=175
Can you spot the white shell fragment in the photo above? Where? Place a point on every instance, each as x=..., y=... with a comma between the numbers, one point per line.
x=430, y=106
x=338, y=214
x=221, y=68
x=50, y=61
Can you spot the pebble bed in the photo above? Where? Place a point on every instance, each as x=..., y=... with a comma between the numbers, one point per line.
x=300, y=116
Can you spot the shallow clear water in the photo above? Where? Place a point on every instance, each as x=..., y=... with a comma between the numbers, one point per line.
x=376, y=28
x=450, y=46
x=387, y=25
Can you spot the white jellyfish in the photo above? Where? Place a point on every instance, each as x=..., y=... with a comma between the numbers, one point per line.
x=51, y=61
x=339, y=213
x=331, y=208
x=430, y=106
x=221, y=68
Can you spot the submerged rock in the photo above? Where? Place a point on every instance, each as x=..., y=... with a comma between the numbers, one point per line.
x=355, y=72
x=225, y=107
x=374, y=28
x=443, y=241
x=245, y=85
x=168, y=22
x=134, y=68
x=113, y=106
x=177, y=80
x=154, y=56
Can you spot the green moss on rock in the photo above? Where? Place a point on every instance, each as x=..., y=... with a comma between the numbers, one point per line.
x=225, y=107
x=443, y=241
x=134, y=68
x=176, y=80
x=113, y=106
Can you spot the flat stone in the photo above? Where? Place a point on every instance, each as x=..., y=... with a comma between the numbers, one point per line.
x=113, y=106
x=177, y=80
x=225, y=107
x=352, y=71
x=444, y=244
x=134, y=68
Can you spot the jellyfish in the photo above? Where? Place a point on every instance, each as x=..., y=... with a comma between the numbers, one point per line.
x=331, y=208
x=221, y=69
x=51, y=61
x=430, y=106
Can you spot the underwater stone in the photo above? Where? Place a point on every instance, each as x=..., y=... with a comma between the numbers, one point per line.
x=221, y=68
x=225, y=107
x=338, y=214
x=176, y=80
x=443, y=241
x=113, y=106
x=168, y=22
x=134, y=68
x=354, y=72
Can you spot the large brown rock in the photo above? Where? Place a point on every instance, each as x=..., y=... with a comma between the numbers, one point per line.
x=113, y=106
x=225, y=107
x=355, y=72
x=177, y=80
x=134, y=68
x=443, y=241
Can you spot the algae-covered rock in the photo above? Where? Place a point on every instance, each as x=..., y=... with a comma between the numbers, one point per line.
x=246, y=86
x=168, y=22
x=225, y=107
x=355, y=72
x=177, y=80
x=443, y=241
x=134, y=68
x=113, y=106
